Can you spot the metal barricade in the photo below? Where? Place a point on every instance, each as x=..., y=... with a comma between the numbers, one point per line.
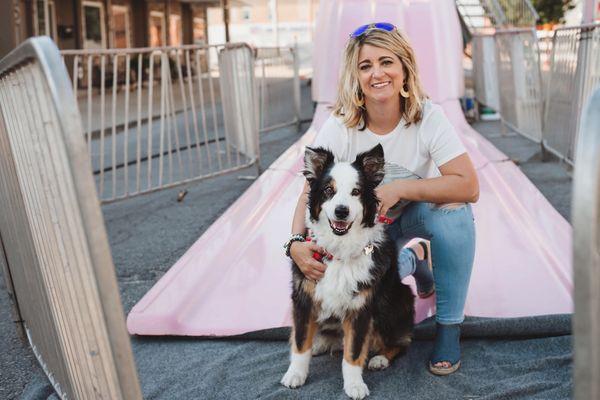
x=277, y=70
x=157, y=117
x=517, y=58
x=574, y=72
x=485, y=73
x=586, y=253
x=54, y=242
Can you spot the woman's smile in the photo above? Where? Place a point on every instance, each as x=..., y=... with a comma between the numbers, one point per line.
x=380, y=85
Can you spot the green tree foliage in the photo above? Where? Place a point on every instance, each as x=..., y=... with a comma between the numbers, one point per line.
x=552, y=11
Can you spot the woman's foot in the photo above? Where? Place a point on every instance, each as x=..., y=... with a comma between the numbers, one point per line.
x=445, y=358
x=423, y=273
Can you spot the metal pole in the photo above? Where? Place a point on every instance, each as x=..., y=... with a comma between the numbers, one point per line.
x=296, y=60
x=586, y=255
x=225, y=6
x=274, y=21
x=589, y=10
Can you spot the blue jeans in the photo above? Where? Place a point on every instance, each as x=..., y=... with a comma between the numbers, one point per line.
x=451, y=231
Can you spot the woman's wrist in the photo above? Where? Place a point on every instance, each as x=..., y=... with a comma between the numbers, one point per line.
x=398, y=189
x=297, y=237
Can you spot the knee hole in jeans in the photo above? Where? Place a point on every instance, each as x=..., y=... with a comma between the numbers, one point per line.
x=448, y=206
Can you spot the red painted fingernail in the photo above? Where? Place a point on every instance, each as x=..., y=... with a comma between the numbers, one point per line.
x=308, y=239
x=317, y=256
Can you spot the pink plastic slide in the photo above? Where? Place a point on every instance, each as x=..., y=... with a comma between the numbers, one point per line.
x=235, y=278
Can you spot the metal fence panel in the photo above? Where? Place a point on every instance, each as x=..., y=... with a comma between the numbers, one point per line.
x=236, y=73
x=575, y=72
x=586, y=252
x=155, y=117
x=277, y=71
x=521, y=102
x=53, y=232
x=485, y=71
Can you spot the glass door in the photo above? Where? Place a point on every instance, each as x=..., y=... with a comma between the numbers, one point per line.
x=94, y=34
x=121, y=36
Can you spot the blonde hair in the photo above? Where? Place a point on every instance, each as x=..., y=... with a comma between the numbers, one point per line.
x=350, y=102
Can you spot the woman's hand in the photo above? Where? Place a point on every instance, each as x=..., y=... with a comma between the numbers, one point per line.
x=302, y=254
x=388, y=196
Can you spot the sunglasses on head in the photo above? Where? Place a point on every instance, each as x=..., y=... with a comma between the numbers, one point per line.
x=361, y=30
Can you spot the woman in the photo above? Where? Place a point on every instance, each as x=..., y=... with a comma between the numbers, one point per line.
x=380, y=100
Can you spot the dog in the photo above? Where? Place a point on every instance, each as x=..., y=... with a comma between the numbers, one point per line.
x=360, y=304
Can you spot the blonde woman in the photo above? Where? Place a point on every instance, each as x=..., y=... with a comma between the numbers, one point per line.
x=381, y=101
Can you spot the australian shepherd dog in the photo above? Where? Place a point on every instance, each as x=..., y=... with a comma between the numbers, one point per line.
x=360, y=304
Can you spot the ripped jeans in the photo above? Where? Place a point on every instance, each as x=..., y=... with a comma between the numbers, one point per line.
x=451, y=232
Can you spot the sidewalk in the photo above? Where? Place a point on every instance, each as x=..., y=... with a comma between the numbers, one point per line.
x=551, y=177
x=149, y=233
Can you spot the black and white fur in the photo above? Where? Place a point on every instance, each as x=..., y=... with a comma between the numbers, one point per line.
x=360, y=304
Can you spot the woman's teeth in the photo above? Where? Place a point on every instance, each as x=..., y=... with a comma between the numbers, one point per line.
x=380, y=85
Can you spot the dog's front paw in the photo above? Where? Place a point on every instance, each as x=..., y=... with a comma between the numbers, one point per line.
x=293, y=379
x=378, y=363
x=356, y=390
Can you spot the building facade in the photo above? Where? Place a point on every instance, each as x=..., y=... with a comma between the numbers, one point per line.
x=98, y=24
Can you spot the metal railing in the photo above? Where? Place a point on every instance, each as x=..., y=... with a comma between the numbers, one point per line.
x=277, y=70
x=586, y=253
x=521, y=101
x=542, y=84
x=485, y=73
x=574, y=73
x=159, y=117
x=55, y=246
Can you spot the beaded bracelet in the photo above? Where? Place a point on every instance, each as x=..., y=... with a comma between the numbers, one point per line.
x=293, y=238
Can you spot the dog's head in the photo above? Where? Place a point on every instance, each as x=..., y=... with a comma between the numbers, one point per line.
x=343, y=193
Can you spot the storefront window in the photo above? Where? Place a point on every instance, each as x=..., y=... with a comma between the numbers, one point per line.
x=93, y=25
x=175, y=30
x=199, y=36
x=157, y=31
x=120, y=15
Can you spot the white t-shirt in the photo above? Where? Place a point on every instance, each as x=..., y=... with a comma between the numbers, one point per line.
x=416, y=151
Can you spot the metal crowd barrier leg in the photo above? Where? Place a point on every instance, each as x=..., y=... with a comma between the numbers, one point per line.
x=586, y=262
x=52, y=230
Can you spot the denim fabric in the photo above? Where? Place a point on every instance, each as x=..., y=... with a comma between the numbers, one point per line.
x=451, y=230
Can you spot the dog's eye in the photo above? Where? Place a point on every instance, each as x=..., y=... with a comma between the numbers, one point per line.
x=355, y=192
x=329, y=191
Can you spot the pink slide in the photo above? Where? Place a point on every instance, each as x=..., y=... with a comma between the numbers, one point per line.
x=235, y=278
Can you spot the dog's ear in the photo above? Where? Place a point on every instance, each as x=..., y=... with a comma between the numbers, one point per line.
x=315, y=162
x=372, y=164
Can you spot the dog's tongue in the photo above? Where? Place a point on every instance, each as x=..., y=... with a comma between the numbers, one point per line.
x=341, y=225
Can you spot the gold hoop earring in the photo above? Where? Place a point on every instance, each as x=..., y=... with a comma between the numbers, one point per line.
x=404, y=92
x=359, y=99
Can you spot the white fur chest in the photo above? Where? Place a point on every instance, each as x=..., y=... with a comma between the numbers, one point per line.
x=337, y=290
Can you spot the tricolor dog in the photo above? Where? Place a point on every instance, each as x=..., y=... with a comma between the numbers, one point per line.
x=360, y=304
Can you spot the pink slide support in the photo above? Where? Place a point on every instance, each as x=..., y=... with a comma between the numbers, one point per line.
x=523, y=258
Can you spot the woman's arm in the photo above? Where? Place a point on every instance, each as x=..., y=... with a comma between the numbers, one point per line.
x=302, y=252
x=458, y=183
x=298, y=225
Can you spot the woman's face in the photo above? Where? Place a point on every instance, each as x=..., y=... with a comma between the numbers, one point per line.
x=380, y=73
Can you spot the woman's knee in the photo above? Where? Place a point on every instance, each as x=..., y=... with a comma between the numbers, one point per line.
x=431, y=220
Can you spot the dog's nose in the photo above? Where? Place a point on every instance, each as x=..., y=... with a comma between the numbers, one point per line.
x=341, y=212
